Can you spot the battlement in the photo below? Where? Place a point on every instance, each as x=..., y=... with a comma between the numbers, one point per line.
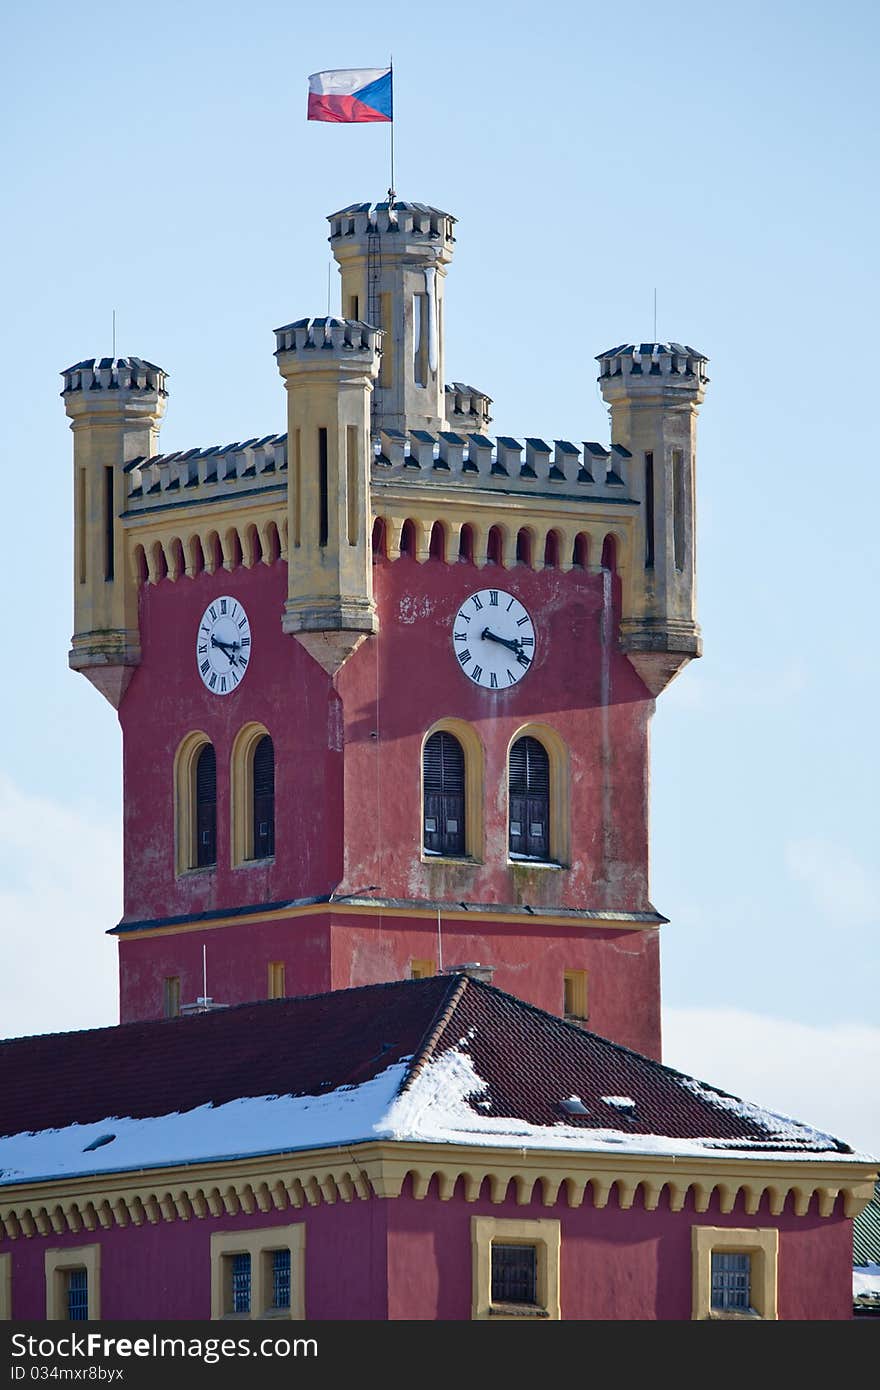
x=412, y=219
x=467, y=409
x=415, y=460
x=420, y=458
x=653, y=359
x=328, y=334
x=114, y=374
x=211, y=474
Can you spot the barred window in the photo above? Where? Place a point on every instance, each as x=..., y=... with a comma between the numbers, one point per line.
x=529, y=797
x=280, y=1278
x=731, y=1280
x=264, y=799
x=241, y=1284
x=444, y=804
x=206, y=808
x=514, y=1274
x=77, y=1295
x=258, y=1273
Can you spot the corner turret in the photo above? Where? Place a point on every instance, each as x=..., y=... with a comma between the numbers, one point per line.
x=115, y=406
x=654, y=391
x=329, y=366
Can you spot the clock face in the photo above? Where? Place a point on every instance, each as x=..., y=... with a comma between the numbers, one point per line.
x=493, y=639
x=223, y=645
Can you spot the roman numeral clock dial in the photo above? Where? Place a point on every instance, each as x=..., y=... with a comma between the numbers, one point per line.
x=493, y=638
x=223, y=645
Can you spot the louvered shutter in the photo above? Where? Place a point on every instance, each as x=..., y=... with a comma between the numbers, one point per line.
x=264, y=799
x=529, y=797
x=443, y=777
x=206, y=807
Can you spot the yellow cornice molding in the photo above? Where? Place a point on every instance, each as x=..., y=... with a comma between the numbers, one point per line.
x=379, y=1169
x=168, y=518
x=537, y=918
x=425, y=500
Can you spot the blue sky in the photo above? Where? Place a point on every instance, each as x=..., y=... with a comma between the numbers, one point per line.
x=159, y=164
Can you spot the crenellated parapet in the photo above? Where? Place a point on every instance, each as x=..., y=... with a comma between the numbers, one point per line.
x=579, y=493
x=416, y=460
x=674, y=364
x=114, y=374
x=328, y=334
x=414, y=220
x=467, y=409
x=220, y=473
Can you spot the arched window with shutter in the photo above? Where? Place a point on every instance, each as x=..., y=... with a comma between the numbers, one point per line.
x=443, y=777
x=206, y=807
x=529, y=797
x=252, y=796
x=264, y=799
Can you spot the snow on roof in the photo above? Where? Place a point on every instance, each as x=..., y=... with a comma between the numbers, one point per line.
x=866, y=1283
x=448, y=1060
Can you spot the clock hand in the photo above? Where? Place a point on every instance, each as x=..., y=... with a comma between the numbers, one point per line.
x=228, y=649
x=489, y=636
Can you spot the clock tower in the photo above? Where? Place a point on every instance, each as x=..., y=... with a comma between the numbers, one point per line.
x=385, y=679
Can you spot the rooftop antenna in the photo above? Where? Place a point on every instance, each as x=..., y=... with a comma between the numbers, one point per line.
x=329, y=274
x=204, y=973
x=439, y=944
x=114, y=332
x=655, y=315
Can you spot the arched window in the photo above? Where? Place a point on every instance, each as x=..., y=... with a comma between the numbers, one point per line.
x=264, y=799
x=444, y=795
x=206, y=807
x=529, y=794
x=252, y=795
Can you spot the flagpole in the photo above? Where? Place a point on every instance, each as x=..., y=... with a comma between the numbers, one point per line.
x=391, y=189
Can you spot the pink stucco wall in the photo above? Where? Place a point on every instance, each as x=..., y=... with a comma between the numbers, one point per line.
x=347, y=802
x=407, y=1259
x=614, y=1265
x=325, y=950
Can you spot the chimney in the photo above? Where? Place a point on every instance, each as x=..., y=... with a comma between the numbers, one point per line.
x=473, y=969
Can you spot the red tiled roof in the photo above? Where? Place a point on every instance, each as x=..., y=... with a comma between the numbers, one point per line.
x=310, y=1046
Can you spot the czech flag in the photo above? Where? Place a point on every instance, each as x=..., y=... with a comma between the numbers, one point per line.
x=350, y=94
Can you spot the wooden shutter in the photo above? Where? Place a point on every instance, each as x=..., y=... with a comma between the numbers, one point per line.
x=529, y=795
x=444, y=795
x=206, y=807
x=264, y=799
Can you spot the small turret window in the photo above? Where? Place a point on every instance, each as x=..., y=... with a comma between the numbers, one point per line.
x=444, y=795
x=206, y=808
x=649, y=511
x=529, y=793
